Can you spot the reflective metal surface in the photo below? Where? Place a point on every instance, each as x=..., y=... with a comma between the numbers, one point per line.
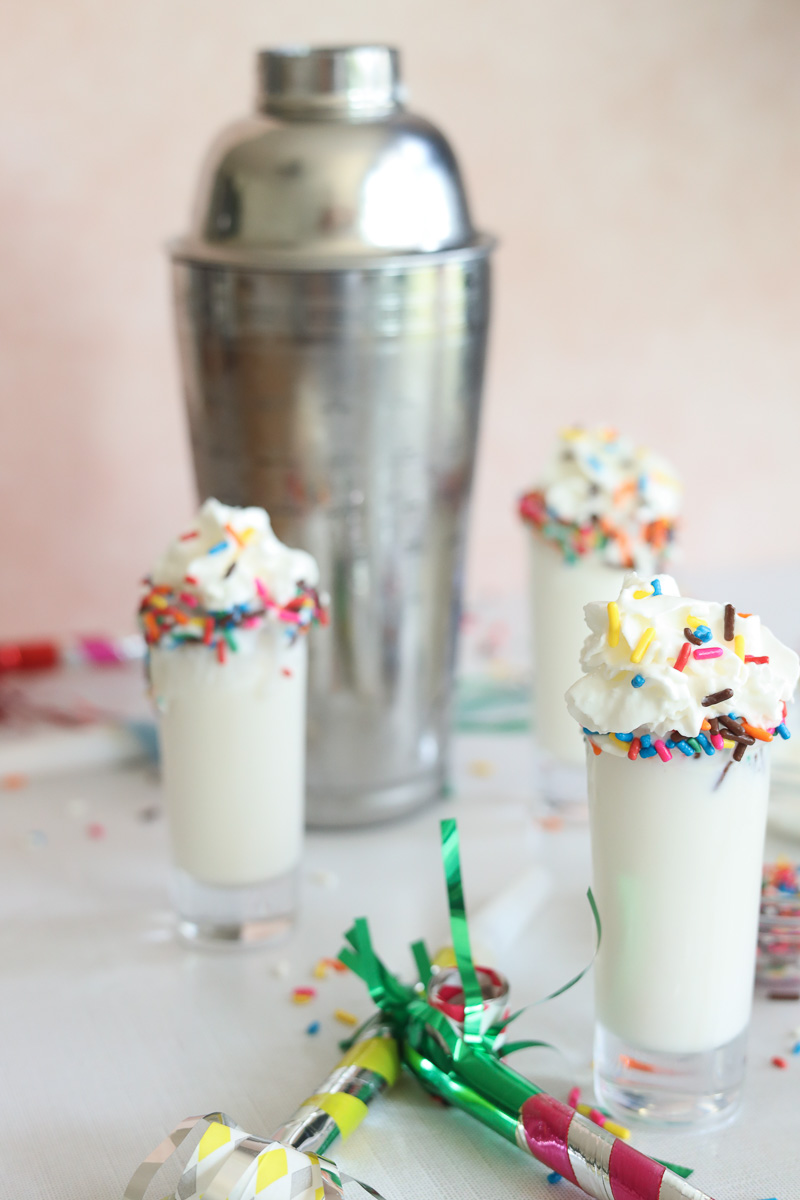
x=332, y=304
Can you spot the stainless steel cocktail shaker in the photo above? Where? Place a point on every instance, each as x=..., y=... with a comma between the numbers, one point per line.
x=332, y=306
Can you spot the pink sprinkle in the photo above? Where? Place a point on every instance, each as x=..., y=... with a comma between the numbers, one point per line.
x=708, y=652
x=185, y=537
x=663, y=752
x=96, y=830
x=262, y=591
x=597, y=1117
x=304, y=991
x=574, y=1098
x=716, y=741
x=287, y=672
x=251, y=622
x=189, y=599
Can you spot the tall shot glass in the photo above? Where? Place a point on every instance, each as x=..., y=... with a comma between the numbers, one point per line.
x=232, y=738
x=677, y=854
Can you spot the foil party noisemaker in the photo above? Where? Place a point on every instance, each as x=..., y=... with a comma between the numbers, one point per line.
x=230, y=1164
x=459, y=1060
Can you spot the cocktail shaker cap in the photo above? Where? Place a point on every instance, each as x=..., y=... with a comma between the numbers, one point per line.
x=333, y=172
x=354, y=82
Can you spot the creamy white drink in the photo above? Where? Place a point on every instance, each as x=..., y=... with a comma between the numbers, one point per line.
x=224, y=616
x=682, y=699
x=603, y=506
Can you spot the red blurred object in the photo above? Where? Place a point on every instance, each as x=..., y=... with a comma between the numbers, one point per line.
x=29, y=656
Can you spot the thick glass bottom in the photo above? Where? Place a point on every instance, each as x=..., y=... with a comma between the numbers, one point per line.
x=217, y=916
x=332, y=808
x=562, y=786
x=699, y=1090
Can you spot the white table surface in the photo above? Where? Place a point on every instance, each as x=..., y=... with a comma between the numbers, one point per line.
x=113, y=1031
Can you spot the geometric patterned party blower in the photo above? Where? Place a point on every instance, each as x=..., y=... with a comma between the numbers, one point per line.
x=230, y=1164
x=452, y=1042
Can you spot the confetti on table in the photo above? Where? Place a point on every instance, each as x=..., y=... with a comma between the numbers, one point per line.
x=14, y=782
x=313, y=1028
x=346, y=1018
x=481, y=768
x=554, y=1177
x=552, y=824
x=95, y=831
x=779, y=1062
x=303, y=995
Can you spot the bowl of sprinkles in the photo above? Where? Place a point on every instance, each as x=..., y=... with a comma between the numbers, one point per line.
x=603, y=498
x=778, y=960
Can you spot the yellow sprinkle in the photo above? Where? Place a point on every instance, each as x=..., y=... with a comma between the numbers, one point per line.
x=640, y=595
x=728, y=745
x=446, y=957
x=347, y=1018
x=301, y=998
x=613, y=624
x=738, y=645
x=159, y=602
x=642, y=644
x=320, y=970
x=572, y=433
x=622, y=745
x=481, y=768
x=618, y=1130
x=693, y=622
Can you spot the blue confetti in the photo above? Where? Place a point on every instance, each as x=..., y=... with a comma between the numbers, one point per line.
x=637, y=681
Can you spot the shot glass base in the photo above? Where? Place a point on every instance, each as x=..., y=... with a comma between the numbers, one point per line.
x=217, y=916
x=562, y=786
x=701, y=1090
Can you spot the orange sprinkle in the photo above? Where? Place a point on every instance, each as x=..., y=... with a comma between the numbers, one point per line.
x=705, y=725
x=761, y=735
x=336, y=964
x=234, y=534
x=635, y=1064
x=595, y=747
x=151, y=627
x=14, y=782
x=744, y=614
x=179, y=616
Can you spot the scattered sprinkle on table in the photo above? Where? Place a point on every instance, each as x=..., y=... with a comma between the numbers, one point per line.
x=313, y=1028
x=779, y=1062
x=554, y=1177
x=14, y=782
x=303, y=995
x=481, y=768
x=95, y=830
x=346, y=1018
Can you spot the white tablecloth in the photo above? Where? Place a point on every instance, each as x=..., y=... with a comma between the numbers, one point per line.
x=113, y=1032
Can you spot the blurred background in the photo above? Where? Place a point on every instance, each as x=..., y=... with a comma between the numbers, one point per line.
x=638, y=161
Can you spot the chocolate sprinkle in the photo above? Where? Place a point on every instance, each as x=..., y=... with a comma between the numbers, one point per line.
x=738, y=753
x=716, y=697
x=714, y=723
x=730, y=616
x=725, y=770
x=690, y=637
x=730, y=724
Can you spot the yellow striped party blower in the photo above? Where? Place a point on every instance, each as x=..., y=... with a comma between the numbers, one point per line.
x=450, y=1030
x=229, y=1164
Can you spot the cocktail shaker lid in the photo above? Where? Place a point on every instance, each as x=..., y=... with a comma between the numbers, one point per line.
x=333, y=172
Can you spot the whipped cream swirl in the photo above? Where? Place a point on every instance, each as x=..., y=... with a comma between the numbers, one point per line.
x=603, y=496
x=657, y=663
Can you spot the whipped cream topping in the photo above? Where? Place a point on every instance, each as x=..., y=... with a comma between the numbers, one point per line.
x=228, y=558
x=640, y=679
x=603, y=495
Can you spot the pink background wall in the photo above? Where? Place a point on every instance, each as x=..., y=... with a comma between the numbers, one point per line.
x=639, y=160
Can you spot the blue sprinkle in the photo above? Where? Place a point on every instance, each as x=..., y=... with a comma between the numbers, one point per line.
x=624, y=737
x=223, y=545
x=646, y=741
x=313, y=1027
x=705, y=743
x=591, y=732
x=670, y=744
x=648, y=752
x=783, y=731
x=594, y=461
x=685, y=748
x=656, y=586
x=642, y=483
x=554, y=1177
x=796, y=1048
x=733, y=716
x=703, y=632
x=637, y=681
